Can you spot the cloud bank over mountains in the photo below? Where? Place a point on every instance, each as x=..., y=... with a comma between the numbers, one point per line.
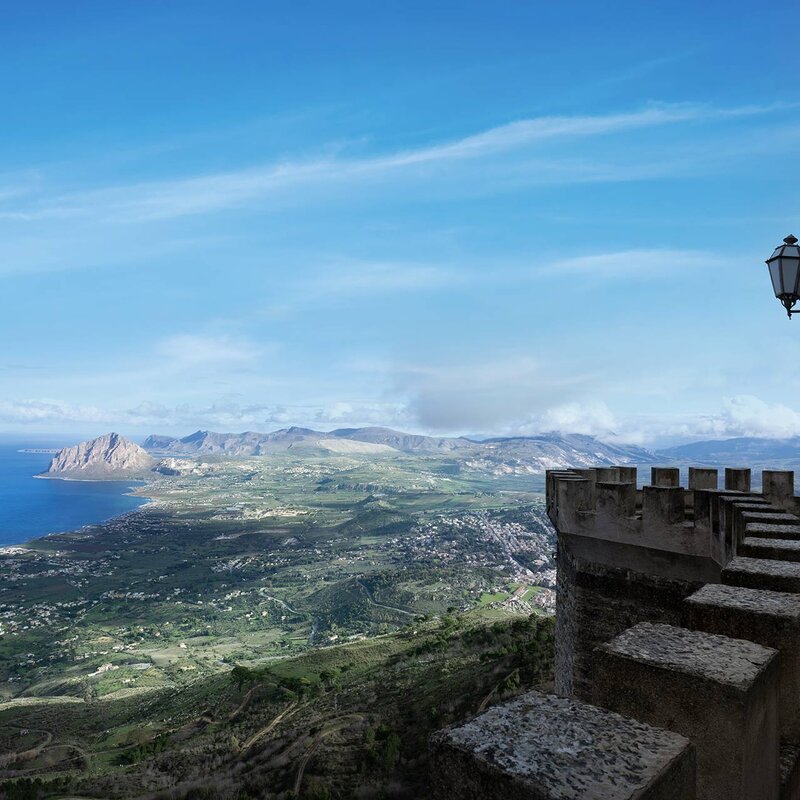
x=742, y=415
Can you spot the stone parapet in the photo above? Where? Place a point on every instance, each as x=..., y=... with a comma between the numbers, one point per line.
x=763, y=573
x=769, y=618
x=704, y=521
x=541, y=747
x=720, y=693
x=781, y=549
x=603, y=588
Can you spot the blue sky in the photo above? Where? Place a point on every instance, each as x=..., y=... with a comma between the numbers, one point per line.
x=452, y=217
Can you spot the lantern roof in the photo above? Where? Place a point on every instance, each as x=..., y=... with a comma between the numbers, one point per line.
x=789, y=249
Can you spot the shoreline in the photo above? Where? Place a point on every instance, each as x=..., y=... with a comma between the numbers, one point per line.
x=46, y=477
x=134, y=489
x=8, y=549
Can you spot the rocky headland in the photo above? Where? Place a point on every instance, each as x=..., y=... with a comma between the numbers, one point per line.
x=107, y=457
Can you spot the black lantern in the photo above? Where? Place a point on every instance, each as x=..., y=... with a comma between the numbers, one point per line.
x=784, y=269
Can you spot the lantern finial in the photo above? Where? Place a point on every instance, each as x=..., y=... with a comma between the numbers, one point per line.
x=790, y=239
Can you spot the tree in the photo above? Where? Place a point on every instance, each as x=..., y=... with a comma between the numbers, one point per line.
x=241, y=675
x=391, y=751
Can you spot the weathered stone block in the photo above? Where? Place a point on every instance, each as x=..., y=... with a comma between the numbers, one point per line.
x=771, y=530
x=763, y=573
x=721, y=693
x=573, y=495
x=615, y=500
x=753, y=515
x=541, y=747
x=615, y=474
x=552, y=477
x=665, y=476
x=737, y=480
x=778, y=487
x=766, y=617
x=663, y=505
x=780, y=549
x=700, y=478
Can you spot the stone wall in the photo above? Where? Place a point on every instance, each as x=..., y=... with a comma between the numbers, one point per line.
x=595, y=602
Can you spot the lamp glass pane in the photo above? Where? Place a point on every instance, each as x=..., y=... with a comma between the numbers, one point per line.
x=775, y=274
x=791, y=272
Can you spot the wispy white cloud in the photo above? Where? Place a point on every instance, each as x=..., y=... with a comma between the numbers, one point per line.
x=221, y=415
x=192, y=349
x=169, y=199
x=372, y=277
x=638, y=263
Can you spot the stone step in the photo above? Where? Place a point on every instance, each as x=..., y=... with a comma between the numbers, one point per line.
x=543, y=747
x=721, y=693
x=768, y=515
x=768, y=530
x=763, y=573
x=762, y=616
x=780, y=549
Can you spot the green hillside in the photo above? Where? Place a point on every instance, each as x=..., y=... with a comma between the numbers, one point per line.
x=337, y=722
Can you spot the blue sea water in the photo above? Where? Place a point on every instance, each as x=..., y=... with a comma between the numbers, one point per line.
x=31, y=507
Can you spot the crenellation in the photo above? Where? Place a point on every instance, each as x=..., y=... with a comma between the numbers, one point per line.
x=737, y=480
x=763, y=616
x=573, y=497
x=720, y=693
x=552, y=476
x=665, y=476
x=730, y=507
x=663, y=506
x=771, y=529
x=779, y=549
x=703, y=478
x=615, y=499
x=699, y=520
x=778, y=487
x=753, y=514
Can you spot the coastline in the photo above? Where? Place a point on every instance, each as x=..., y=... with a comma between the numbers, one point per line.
x=31, y=513
x=29, y=544
x=135, y=485
x=47, y=477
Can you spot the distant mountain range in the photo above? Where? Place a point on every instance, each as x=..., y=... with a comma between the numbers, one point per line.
x=742, y=451
x=528, y=453
x=251, y=443
x=114, y=456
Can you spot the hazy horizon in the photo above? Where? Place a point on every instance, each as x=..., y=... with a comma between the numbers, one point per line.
x=65, y=439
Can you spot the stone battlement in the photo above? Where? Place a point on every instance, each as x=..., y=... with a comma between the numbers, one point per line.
x=677, y=608
x=699, y=520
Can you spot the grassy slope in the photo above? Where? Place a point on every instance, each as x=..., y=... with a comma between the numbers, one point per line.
x=355, y=718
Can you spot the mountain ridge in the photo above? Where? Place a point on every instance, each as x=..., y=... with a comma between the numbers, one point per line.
x=534, y=453
x=740, y=450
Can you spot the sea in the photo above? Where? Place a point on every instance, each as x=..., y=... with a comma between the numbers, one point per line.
x=31, y=507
